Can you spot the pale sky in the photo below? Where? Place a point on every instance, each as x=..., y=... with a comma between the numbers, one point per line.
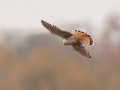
x=29, y=13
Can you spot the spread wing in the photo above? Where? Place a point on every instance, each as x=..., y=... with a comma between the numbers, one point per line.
x=81, y=49
x=55, y=30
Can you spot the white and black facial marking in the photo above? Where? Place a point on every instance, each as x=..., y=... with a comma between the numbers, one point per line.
x=68, y=41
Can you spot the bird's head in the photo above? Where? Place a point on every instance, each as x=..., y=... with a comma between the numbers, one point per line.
x=68, y=41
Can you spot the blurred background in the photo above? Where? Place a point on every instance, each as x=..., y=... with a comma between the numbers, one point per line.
x=33, y=59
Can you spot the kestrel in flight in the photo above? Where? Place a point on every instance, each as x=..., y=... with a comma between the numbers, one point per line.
x=76, y=40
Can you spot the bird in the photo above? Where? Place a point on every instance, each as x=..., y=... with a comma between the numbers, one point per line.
x=77, y=39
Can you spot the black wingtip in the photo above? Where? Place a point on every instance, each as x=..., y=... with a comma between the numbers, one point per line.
x=42, y=21
x=89, y=57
